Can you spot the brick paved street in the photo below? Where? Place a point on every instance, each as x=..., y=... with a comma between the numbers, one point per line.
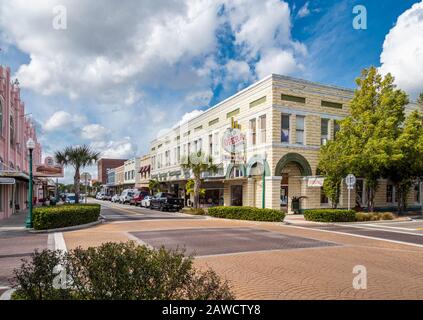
x=395, y=270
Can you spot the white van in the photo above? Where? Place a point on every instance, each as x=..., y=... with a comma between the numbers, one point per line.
x=126, y=195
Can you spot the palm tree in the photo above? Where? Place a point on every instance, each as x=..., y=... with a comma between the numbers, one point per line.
x=78, y=157
x=197, y=163
x=154, y=185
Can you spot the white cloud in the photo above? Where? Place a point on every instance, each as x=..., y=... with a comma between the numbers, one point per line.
x=109, y=44
x=188, y=116
x=276, y=61
x=116, y=149
x=94, y=132
x=304, y=10
x=63, y=120
x=402, y=53
x=199, y=98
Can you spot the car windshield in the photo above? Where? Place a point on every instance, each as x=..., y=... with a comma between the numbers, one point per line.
x=71, y=198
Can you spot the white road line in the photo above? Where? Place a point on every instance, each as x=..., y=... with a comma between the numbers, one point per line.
x=383, y=226
x=59, y=242
x=359, y=236
x=380, y=229
x=138, y=240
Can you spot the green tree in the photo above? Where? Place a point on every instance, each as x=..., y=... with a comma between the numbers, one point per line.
x=154, y=186
x=333, y=167
x=198, y=163
x=406, y=165
x=189, y=188
x=364, y=144
x=77, y=157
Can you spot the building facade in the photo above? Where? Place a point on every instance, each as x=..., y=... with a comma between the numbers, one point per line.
x=131, y=169
x=104, y=164
x=15, y=130
x=284, y=122
x=144, y=173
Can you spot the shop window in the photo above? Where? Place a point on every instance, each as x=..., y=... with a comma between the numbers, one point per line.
x=323, y=197
x=324, y=131
x=253, y=132
x=236, y=195
x=336, y=128
x=300, y=129
x=285, y=128
x=210, y=144
x=287, y=97
x=389, y=193
x=263, y=129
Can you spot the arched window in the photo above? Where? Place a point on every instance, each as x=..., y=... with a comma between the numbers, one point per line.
x=12, y=131
x=1, y=118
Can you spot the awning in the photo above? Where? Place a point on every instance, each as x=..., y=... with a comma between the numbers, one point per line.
x=144, y=169
x=15, y=174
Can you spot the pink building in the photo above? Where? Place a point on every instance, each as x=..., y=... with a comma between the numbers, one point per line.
x=15, y=130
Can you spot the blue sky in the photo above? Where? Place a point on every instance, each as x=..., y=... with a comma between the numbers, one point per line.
x=122, y=72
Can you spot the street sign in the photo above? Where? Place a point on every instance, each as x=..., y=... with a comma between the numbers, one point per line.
x=7, y=181
x=86, y=176
x=350, y=181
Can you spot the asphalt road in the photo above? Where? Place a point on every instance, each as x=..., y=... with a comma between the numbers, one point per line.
x=396, y=231
x=123, y=212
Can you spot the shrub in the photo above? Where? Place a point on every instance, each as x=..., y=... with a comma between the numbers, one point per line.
x=329, y=215
x=387, y=216
x=361, y=216
x=64, y=216
x=246, y=213
x=118, y=271
x=35, y=279
x=373, y=216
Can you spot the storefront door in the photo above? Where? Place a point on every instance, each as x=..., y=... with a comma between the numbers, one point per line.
x=236, y=195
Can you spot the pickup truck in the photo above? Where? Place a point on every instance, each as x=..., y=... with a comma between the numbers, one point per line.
x=165, y=201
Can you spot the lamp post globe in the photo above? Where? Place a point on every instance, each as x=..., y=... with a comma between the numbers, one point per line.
x=30, y=145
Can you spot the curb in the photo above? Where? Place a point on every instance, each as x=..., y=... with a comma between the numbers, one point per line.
x=78, y=227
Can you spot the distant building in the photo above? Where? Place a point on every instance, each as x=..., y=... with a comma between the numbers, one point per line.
x=104, y=164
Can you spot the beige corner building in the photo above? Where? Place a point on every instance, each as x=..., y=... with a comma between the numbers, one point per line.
x=285, y=121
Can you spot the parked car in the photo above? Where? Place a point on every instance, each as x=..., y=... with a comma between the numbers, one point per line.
x=107, y=197
x=165, y=201
x=115, y=198
x=138, y=197
x=126, y=195
x=70, y=198
x=146, y=201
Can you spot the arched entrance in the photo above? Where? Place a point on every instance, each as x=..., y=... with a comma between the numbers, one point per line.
x=291, y=167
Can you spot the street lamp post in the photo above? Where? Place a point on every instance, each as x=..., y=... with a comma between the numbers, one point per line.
x=30, y=144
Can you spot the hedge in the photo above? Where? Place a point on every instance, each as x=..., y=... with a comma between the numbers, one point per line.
x=329, y=215
x=64, y=216
x=246, y=213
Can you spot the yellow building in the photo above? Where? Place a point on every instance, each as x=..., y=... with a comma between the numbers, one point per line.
x=283, y=122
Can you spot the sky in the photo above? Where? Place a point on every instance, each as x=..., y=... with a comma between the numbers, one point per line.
x=116, y=74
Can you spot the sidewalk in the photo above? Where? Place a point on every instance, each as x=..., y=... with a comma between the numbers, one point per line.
x=15, y=222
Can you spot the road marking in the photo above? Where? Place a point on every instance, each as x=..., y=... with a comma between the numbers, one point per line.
x=360, y=236
x=380, y=229
x=138, y=240
x=59, y=242
x=124, y=210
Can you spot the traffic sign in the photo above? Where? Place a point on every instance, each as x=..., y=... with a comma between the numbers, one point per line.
x=7, y=181
x=350, y=181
